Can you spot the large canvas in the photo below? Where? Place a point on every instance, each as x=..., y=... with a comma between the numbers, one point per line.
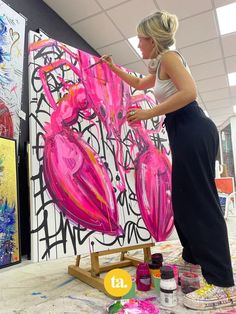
x=9, y=235
x=96, y=182
x=12, y=35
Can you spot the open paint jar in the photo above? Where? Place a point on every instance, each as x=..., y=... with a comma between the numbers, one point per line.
x=189, y=282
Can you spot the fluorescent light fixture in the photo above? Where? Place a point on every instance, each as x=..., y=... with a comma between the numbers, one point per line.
x=234, y=108
x=226, y=18
x=232, y=79
x=206, y=113
x=134, y=41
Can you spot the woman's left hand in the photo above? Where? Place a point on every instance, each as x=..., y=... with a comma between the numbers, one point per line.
x=134, y=115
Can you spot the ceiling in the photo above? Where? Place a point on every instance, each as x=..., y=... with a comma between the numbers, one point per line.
x=107, y=24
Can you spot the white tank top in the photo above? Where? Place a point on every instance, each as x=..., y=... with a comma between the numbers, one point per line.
x=163, y=89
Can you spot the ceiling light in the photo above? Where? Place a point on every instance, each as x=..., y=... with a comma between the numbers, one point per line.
x=232, y=79
x=134, y=41
x=234, y=108
x=226, y=18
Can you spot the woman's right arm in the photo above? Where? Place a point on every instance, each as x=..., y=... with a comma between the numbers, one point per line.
x=136, y=82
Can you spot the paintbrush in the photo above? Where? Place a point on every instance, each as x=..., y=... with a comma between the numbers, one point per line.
x=99, y=61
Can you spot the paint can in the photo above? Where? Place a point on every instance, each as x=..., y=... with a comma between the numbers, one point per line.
x=168, y=287
x=176, y=272
x=189, y=282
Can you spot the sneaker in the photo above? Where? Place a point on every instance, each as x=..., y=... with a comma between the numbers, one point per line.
x=210, y=297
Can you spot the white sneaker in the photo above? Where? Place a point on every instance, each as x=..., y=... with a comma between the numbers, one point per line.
x=210, y=297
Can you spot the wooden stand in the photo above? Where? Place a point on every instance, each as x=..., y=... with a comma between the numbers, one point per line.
x=91, y=276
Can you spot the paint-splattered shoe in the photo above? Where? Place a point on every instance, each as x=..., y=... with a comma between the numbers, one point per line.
x=210, y=297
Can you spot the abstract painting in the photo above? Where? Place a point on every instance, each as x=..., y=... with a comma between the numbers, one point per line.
x=96, y=181
x=9, y=225
x=12, y=35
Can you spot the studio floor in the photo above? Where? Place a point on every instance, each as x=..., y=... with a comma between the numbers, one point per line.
x=47, y=288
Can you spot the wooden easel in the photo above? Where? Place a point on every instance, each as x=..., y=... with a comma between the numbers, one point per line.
x=91, y=276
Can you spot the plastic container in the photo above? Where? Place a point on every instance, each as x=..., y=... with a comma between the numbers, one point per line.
x=189, y=282
x=143, y=277
x=168, y=287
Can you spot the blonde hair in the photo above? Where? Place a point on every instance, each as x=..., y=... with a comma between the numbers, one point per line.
x=161, y=27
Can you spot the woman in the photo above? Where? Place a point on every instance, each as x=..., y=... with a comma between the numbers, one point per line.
x=194, y=143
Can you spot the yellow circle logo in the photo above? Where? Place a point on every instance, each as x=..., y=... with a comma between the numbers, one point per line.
x=117, y=282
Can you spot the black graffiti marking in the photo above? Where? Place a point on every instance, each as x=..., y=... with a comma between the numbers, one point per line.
x=64, y=228
x=132, y=231
x=42, y=189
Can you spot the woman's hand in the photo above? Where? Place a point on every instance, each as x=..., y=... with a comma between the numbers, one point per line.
x=134, y=115
x=108, y=60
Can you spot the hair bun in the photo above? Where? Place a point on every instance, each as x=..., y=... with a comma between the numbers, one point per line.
x=170, y=22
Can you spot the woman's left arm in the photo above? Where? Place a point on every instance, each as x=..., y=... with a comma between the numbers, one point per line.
x=173, y=66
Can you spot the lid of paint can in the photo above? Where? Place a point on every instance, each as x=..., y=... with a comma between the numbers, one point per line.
x=167, y=272
x=157, y=258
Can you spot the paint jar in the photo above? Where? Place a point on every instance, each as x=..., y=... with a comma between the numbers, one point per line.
x=154, y=269
x=189, y=282
x=176, y=272
x=136, y=123
x=168, y=287
x=143, y=277
x=157, y=258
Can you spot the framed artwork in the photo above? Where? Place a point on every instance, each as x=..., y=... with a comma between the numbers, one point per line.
x=9, y=212
x=12, y=38
x=97, y=183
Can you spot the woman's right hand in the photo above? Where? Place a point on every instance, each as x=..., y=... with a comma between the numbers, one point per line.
x=108, y=60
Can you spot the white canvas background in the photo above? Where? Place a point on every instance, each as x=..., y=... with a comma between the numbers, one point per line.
x=53, y=236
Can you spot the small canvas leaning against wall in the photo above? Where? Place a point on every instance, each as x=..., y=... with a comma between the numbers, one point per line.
x=9, y=224
x=12, y=36
x=97, y=183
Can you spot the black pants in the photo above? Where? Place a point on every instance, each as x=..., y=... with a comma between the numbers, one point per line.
x=198, y=216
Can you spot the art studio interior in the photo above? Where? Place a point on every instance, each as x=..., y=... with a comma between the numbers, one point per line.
x=117, y=146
